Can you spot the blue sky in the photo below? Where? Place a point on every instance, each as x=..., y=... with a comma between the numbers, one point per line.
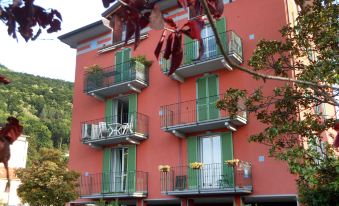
x=47, y=56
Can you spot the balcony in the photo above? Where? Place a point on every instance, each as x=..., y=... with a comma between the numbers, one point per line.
x=211, y=179
x=129, y=76
x=212, y=58
x=114, y=185
x=125, y=128
x=198, y=115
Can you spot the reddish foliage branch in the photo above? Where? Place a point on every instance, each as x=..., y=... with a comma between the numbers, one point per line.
x=137, y=14
x=26, y=17
x=12, y=130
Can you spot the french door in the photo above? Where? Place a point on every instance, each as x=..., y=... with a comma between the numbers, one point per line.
x=210, y=48
x=211, y=157
x=119, y=169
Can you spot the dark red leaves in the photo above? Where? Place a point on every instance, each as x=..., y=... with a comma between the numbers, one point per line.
x=4, y=80
x=177, y=53
x=159, y=46
x=216, y=7
x=194, y=28
x=12, y=130
x=168, y=49
x=170, y=22
x=27, y=17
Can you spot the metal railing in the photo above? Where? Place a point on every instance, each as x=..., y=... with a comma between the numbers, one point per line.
x=115, y=126
x=193, y=111
x=209, y=177
x=123, y=183
x=110, y=76
x=231, y=42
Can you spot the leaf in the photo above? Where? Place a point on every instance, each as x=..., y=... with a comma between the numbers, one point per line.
x=194, y=28
x=169, y=21
x=4, y=80
x=156, y=19
x=12, y=130
x=159, y=45
x=177, y=53
x=168, y=48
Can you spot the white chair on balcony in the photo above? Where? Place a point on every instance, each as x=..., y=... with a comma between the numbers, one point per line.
x=127, y=127
x=103, y=130
x=95, y=131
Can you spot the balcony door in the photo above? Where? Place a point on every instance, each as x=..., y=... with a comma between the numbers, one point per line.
x=123, y=71
x=119, y=169
x=211, y=157
x=207, y=97
x=210, y=47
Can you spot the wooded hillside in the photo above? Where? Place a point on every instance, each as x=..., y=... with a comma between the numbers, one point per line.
x=42, y=105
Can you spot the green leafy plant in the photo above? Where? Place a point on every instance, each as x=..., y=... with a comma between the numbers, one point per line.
x=94, y=76
x=142, y=59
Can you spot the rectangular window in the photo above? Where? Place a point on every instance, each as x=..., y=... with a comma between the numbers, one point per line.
x=119, y=30
x=119, y=169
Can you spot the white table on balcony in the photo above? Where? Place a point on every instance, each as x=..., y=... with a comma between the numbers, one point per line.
x=114, y=129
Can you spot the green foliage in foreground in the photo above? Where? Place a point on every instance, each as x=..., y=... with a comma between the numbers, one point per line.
x=42, y=105
x=48, y=181
x=296, y=117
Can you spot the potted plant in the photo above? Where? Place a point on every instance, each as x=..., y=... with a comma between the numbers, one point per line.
x=196, y=165
x=94, y=77
x=164, y=168
x=141, y=65
x=232, y=163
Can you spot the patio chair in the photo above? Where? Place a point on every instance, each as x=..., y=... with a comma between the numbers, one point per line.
x=127, y=127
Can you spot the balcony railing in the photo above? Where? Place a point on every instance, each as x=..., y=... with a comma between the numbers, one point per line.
x=198, y=115
x=210, y=179
x=121, y=78
x=125, y=128
x=114, y=184
x=212, y=56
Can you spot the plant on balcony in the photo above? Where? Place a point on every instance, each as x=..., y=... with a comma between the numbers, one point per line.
x=94, y=76
x=164, y=168
x=232, y=163
x=196, y=165
x=142, y=60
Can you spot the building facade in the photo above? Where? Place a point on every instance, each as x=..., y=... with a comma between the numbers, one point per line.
x=136, y=131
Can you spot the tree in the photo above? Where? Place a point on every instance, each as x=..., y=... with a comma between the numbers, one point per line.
x=296, y=127
x=48, y=181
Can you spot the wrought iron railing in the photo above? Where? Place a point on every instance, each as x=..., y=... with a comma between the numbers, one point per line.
x=193, y=111
x=113, y=183
x=110, y=76
x=115, y=126
x=208, y=177
x=231, y=42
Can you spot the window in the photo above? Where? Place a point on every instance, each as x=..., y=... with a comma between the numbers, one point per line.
x=119, y=169
x=119, y=30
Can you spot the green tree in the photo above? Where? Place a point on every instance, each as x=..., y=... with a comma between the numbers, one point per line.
x=307, y=61
x=48, y=181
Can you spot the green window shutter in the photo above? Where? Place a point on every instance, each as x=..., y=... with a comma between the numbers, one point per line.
x=131, y=167
x=192, y=156
x=118, y=66
x=202, y=99
x=227, y=154
x=109, y=111
x=221, y=28
x=126, y=67
x=190, y=50
x=106, y=171
x=213, y=97
x=133, y=109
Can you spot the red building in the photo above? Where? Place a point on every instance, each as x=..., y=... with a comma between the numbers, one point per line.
x=130, y=121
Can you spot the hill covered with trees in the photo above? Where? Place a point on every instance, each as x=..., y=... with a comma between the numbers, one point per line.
x=43, y=106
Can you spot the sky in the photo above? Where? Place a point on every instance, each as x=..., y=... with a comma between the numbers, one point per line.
x=48, y=56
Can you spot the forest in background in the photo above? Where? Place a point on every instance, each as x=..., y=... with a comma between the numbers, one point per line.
x=43, y=106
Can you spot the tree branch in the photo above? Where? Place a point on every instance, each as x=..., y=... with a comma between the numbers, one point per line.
x=257, y=74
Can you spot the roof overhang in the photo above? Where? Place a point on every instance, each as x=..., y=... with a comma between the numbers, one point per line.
x=73, y=38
